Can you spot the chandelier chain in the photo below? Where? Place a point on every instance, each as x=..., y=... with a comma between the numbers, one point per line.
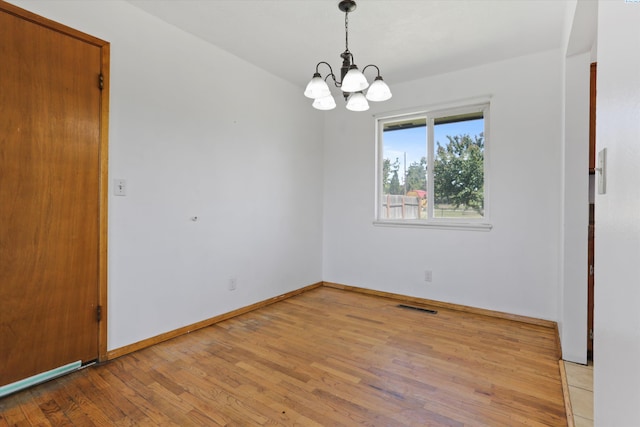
x=346, y=31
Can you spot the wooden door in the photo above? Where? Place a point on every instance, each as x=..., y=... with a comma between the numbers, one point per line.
x=591, y=241
x=52, y=210
x=590, y=281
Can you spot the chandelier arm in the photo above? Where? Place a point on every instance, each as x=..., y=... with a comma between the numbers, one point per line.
x=374, y=66
x=331, y=74
x=325, y=63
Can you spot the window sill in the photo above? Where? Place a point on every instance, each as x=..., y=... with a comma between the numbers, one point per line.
x=438, y=225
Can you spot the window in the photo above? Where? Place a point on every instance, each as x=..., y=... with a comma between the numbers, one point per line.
x=431, y=167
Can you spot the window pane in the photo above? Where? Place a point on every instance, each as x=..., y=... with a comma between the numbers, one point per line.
x=458, y=169
x=404, y=170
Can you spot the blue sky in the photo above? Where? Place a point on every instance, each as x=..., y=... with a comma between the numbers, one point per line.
x=413, y=141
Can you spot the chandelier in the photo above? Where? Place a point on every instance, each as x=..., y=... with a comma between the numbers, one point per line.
x=352, y=81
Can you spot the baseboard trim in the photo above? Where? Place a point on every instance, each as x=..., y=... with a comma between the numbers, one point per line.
x=558, y=342
x=565, y=393
x=121, y=351
x=464, y=308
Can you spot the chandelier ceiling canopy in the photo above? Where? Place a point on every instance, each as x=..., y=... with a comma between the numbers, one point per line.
x=352, y=81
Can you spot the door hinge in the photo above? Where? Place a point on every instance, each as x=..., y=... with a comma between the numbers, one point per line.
x=591, y=270
x=99, y=313
x=591, y=334
x=101, y=81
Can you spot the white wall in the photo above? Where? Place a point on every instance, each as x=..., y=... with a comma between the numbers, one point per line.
x=512, y=268
x=579, y=42
x=575, y=202
x=190, y=143
x=617, y=238
x=253, y=176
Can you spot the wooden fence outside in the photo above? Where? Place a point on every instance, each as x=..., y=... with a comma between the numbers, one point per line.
x=400, y=207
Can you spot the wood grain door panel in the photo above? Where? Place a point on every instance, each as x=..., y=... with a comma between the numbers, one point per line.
x=50, y=178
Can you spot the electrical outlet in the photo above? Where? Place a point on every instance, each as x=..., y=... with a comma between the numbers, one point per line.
x=233, y=284
x=428, y=277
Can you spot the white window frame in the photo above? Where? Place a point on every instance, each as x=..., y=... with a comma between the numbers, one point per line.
x=431, y=114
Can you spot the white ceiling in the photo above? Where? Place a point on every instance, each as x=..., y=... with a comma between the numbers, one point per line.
x=407, y=39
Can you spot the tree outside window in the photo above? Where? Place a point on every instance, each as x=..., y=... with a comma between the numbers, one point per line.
x=433, y=166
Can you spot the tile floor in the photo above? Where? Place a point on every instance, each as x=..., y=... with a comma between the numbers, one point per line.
x=580, y=381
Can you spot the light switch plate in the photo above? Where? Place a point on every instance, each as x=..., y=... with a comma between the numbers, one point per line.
x=601, y=170
x=119, y=187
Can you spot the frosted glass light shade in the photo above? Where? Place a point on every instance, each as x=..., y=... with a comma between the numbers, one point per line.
x=357, y=102
x=354, y=81
x=324, y=103
x=317, y=88
x=378, y=91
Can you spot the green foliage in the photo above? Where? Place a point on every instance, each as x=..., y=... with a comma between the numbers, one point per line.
x=416, y=178
x=459, y=172
x=386, y=170
x=390, y=178
x=394, y=184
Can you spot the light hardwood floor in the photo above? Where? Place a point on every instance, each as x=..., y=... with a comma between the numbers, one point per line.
x=324, y=357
